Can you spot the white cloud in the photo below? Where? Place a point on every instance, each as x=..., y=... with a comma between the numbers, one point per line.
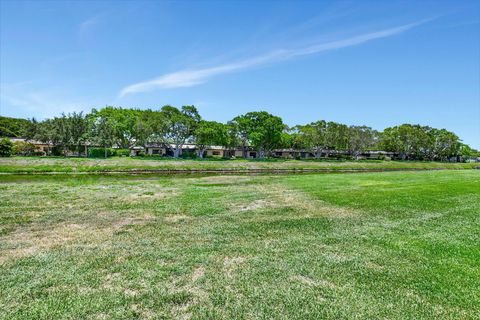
x=87, y=25
x=188, y=78
x=19, y=98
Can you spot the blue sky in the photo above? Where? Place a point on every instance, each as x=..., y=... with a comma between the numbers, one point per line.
x=378, y=63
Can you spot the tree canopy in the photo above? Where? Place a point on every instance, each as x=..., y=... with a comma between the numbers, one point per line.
x=173, y=127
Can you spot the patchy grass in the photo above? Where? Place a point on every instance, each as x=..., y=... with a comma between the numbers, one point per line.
x=373, y=245
x=138, y=164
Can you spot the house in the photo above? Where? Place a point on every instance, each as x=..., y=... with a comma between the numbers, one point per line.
x=40, y=147
x=168, y=149
x=219, y=151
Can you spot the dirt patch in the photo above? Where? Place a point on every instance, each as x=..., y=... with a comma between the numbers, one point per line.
x=255, y=205
x=198, y=273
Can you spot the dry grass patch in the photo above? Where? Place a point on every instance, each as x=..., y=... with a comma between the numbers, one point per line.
x=230, y=264
x=315, y=283
x=198, y=273
x=174, y=218
x=36, y=239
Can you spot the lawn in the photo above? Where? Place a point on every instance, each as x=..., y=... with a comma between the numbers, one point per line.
x=118, y=164
x=394, y=245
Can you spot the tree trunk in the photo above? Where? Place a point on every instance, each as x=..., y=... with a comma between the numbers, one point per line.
x=318, y=153
x=86, y=151
x=244, y=151
x=200, y=153
x=176, y=152
x=105, y=152
x=260, y=154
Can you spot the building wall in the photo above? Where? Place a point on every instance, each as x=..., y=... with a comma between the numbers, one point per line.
x=215, y=153
x=157, y=151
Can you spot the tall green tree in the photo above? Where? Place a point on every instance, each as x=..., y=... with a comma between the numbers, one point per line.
x=12, y=127
x=6, y=147
x=105, y=132
x=262, y=130
x=179, y=125
x=360, y=139
x=314, y=136
x=210, y=133
x=123, y=122
x=336, y=137
x=48, y=133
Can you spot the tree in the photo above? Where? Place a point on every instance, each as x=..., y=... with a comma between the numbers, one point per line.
x=80, y=130
x=336, y=137
x=179, y=126
x=239, y=127
x=12, y=127
x=210, y=133
x=31, y=129
x=123, y=122
x=409, y=141
x=360, y=139
x=104, y=131
x=6, y=147
x=261, y=130
x=48, y=133
x=446, y=144
x=314, y=136
x=232, y=141
x=322, y=136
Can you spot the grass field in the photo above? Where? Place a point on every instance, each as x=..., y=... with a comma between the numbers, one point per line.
x=68, y=165
x=394, y=245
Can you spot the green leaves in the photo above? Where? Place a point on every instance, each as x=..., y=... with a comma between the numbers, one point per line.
x=261, y=130
x=421, y=142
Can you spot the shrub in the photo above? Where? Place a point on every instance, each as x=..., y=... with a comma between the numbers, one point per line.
x=122, y=152
x=188, y=155
x=56, y=151
x=100, y=152
x=23, y=148
x=6, y=147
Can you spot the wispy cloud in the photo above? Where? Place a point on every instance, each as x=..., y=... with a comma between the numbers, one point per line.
x=22, y=98
x=188, y=78
x=87, y=25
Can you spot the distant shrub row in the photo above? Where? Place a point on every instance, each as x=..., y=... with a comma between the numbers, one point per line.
x=110, y=152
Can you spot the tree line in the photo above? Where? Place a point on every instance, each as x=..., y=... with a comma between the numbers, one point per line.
x=259, y=130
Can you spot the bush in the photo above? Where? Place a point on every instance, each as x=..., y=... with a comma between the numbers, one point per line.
x=22, y=148
x=100, y=152
x=56, y=151
x=188, y=155
x=6, y=147
x=122, y=152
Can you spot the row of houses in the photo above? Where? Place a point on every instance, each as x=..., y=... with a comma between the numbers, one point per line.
x=43, y=148
x=248, y=152
x=166, y=150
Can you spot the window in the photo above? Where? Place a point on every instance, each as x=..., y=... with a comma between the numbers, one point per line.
x=216, y=153
x=155, y=151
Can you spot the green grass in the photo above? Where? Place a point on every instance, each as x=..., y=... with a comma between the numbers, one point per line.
x=69, y=165
x=396, y=245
